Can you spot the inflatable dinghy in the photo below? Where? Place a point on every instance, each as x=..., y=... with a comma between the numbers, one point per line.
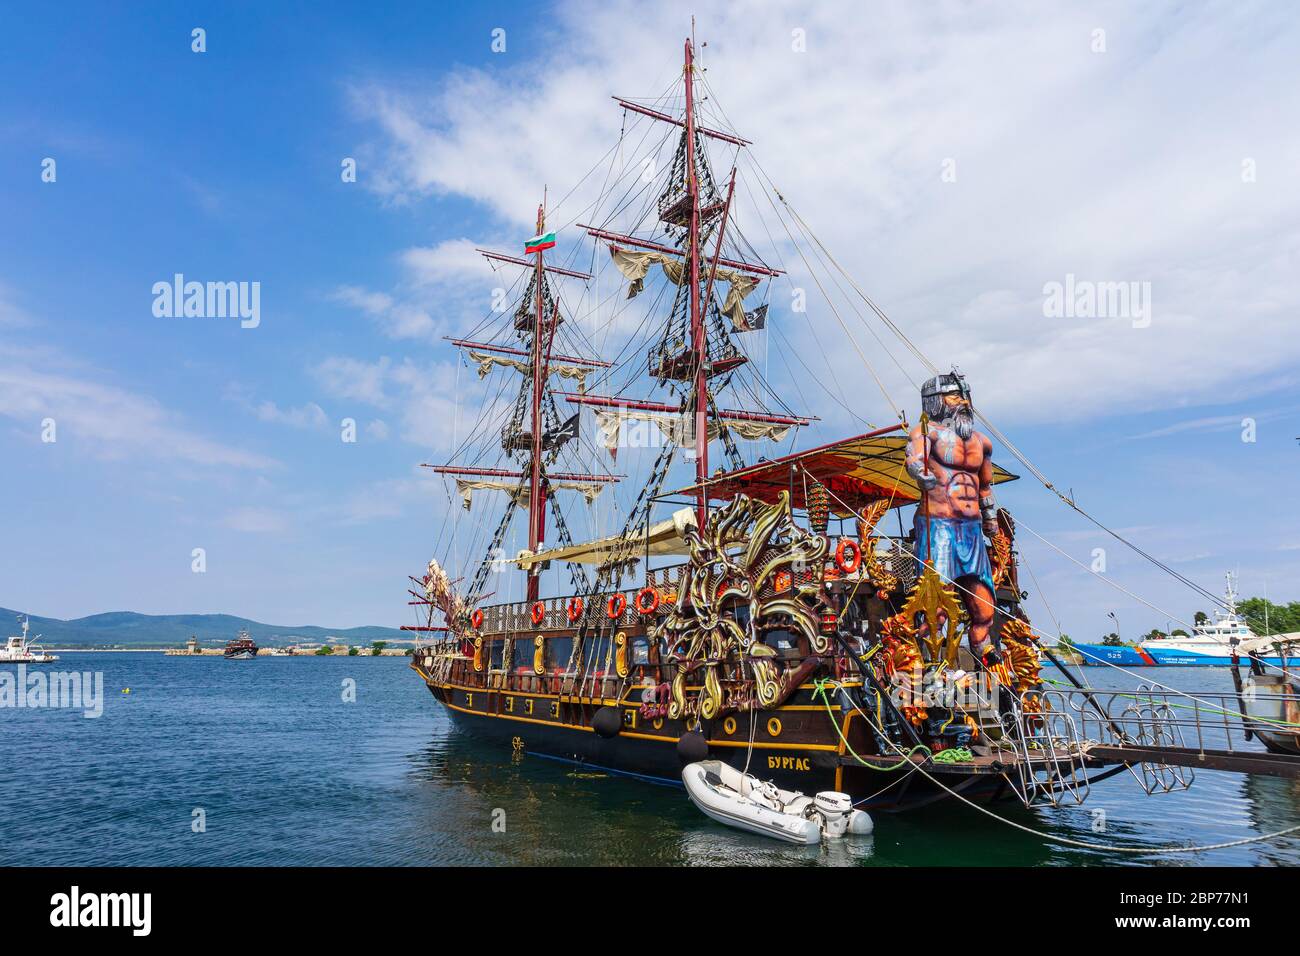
x=743, y=801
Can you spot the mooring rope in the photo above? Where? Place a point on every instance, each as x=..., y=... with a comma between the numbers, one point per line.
x=1083, y=844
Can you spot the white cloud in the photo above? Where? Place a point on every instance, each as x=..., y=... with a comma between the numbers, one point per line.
x=1213, y=423
x=453, y=260
x=372, y=303
x=1116, y=166
x=309, y=415
x=110, y=421
x=396, y=319
x=354, y=380
x=434, y=402
x=450, y=273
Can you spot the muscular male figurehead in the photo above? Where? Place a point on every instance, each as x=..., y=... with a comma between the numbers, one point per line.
x=952, y=465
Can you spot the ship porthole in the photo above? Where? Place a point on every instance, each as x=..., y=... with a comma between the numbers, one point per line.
x=658, y=723
x=729, y=726
x=774, y=727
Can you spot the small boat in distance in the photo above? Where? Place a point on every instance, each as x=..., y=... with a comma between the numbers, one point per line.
x=19, y=649
x=241, y=648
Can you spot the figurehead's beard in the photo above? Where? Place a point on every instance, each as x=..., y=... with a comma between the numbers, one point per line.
x=962, y=421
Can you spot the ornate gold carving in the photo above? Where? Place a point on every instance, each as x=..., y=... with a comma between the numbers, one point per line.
x=539, y=655
x=940, y=614
x=677, y=698
x=767, y=676
x=701, y=628
x=1002, y=553
x=1021, y=655
x=711, y=696
x=1000, y=558
x=478, y=653
x=621, y=665
x=904, y=666
x=877, y=571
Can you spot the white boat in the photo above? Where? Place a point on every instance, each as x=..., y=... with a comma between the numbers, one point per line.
x=19, y=649
x=741, y=800
x=1211, y=643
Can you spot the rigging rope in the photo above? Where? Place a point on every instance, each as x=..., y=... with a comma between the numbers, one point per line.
x=1109, y=848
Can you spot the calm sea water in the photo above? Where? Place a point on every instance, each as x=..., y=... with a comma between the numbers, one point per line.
x=286, y=772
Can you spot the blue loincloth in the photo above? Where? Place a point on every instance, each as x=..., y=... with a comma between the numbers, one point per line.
x=959, y=550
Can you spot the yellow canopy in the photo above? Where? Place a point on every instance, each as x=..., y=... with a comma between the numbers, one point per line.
x=858, y=471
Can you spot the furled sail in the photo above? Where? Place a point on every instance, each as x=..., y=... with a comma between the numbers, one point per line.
x=635, y=264
x=610, y=424
x=467, y=486
x=486, y=361
x=664, y=537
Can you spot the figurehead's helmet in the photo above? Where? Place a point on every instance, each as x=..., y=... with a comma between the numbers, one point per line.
x=933, y=391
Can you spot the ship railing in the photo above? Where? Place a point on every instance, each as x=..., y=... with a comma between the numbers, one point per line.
x=517, y=616
x=1049, y=767
x=1200, y=721
x=895, y=553
x=1151, y=718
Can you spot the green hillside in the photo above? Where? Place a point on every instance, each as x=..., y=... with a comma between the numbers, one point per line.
x=172, y=630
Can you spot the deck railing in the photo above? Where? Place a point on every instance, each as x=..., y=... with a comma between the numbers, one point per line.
x=517, y=617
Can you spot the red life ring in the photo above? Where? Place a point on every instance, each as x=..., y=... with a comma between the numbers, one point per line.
x=845, y=565
x=615, y=606
x=574, y=609
x=476, y=619
x=538, y=612
x=647, y=600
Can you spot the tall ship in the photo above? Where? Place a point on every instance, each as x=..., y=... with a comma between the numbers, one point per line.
x=848, y=617
x=242, y=648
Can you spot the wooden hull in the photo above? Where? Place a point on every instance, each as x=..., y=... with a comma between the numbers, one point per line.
x=795, y=746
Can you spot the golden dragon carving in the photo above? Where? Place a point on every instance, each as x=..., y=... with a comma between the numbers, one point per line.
x=702, y=630
x=877, y=571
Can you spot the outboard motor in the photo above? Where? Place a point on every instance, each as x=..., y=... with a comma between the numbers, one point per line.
x=837, y=816
x=833, y=808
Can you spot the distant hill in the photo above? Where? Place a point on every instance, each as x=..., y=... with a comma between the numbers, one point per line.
x=172, y=630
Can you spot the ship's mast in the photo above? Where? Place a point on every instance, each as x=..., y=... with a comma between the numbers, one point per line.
x=542, y=330
x=699, y=340
x=532, y=402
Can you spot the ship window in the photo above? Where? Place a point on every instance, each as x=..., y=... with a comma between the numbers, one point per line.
x=523, y=655
x=558, y=652
x=496, y=649
x=640, y=650
x=785, y=643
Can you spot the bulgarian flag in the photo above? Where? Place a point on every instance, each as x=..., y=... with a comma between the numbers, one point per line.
x=536, y=244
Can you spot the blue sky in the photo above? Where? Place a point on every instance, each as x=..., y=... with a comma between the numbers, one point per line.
x=1124, y=164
